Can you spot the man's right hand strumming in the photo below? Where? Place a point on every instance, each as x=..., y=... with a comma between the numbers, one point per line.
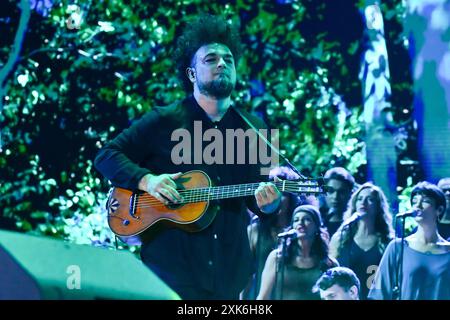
x=162, y=187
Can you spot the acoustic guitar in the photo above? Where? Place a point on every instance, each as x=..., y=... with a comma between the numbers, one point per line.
x=130, y=213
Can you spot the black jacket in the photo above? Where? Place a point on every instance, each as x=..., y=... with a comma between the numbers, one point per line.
x=216, y=259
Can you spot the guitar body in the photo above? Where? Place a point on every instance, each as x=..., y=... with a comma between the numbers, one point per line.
x=130, y=213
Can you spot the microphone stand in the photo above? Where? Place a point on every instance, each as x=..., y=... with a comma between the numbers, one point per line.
x=397, y=290
x=280, y=259
x=279, y=273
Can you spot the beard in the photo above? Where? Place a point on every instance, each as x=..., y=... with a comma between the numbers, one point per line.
x=219, y=89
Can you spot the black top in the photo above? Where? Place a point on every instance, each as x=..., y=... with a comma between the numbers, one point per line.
x=327, y=214
x=332, y=226
x=363, y=263
x=216, y=259
x=444, y=230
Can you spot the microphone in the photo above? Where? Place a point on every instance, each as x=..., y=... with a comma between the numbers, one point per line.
x=409, y=213
x=331, y=212
x=292, y=234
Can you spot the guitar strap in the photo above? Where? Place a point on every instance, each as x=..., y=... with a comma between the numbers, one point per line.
x=242, y=115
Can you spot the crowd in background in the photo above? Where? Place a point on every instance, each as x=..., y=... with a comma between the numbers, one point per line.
x=342, y=244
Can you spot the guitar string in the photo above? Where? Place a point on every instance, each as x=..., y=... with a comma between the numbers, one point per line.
x=202, y=194
x=220, y=191
x=207, y=197
x=212, y=193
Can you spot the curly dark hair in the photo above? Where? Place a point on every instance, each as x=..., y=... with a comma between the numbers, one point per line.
x=206, y=29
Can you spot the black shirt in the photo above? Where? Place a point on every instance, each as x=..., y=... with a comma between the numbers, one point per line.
x=363, y=263
x=444, y=230
x=216, y=259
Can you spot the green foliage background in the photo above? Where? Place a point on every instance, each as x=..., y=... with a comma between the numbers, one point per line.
x=73, y=89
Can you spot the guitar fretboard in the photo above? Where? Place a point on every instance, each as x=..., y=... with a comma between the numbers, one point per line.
x=242, y=190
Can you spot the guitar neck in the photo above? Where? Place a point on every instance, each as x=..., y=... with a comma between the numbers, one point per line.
x=243, y=190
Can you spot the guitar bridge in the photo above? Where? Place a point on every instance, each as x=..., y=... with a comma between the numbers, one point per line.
x=133, y=203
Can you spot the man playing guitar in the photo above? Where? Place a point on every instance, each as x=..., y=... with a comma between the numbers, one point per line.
x=214, y=261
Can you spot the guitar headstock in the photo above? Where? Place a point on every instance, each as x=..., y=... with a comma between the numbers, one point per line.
x=306, y=186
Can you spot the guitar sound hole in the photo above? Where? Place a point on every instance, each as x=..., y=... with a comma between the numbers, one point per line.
x=174, y=206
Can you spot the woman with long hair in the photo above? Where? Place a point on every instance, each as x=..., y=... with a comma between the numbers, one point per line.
x=292, y=269
x=360, y=241
x=262, y=231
